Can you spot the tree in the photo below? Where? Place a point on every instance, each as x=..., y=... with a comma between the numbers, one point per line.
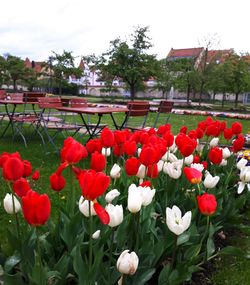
x=2, y=70
x=130, y=63
x=62, y=66
x=15, y=69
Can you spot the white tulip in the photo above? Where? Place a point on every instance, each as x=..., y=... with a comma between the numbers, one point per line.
x=147, y=195
x=111, y=195
x=115, y=214
x=96, y=234
x=245, y=179
x=223, y=162
x=226, y=152
x=106, y=151
x=173, y=169
x=214, y=142
x=115, y=171
x=198, y=166
x=141, y=171
x=189, y=159
x=8, y=204
x=175, y=222
x=241, y=163
x=134, y=199
x=160, y=165
x=127, y=263
x=139, y=151
x=169, y=156
x=210, y=181
x=84, y=207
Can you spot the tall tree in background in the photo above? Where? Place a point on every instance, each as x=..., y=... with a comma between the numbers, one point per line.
x=15, y=69
x=2, y=70
x=63, y=66
x=130, y=62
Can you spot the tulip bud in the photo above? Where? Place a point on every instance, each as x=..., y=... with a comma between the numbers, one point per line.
x=111, y=195
x=115, y=214
x=214, y=142
x=226, y=152
x=127, y=263
x=189, y=159
x=141, y=171
x=106, y=151
x=207, y=204
x=84, y=207
x=134, y=199
x=96, y=234
x=115, y=171
x=223, y=162
x=8, y=204
x=210, y=181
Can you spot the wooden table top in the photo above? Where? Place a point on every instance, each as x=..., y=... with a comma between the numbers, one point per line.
x=94, y=110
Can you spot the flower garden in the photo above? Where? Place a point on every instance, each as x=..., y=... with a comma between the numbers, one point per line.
x=131, y=208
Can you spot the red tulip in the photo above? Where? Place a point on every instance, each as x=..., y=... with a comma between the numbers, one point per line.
x=215, y=155
x=193, y=175
x=169, y=138
x=132, y=166
x=5, y=155
x=185, y=144
x=36, y=175
x=36, y=208
x=21, y=187
x=107, y=138
x=130, y=148
x=228, y=133
x=98, y=162
x=118, y=150
x=183, y=129
x=101, y=213
x=27, y=168
x=94, y=145
x=238, y=143
x=152, y=171
x=196, y=159
x=13, y=169
x=207, y=204
x=236, y=128
x=149, y=155
x=120, y=137
x=146, y=184
x=57, y=182
x=73, y=151
x=199, y=133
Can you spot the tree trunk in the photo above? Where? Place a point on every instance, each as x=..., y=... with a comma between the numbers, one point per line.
x=188, y=93
x=201, y=91
x=214, y=97
x=132, y=92
x=14, y=85
x=223, y=100
x=236, y=100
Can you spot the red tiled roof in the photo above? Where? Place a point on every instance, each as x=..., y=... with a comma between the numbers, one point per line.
x=81, y=64
x=218, y=55
x=187, y=52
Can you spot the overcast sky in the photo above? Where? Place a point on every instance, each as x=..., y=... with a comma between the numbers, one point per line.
x=34, y=28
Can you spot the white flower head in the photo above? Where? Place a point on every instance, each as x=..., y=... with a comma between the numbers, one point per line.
x=173, y=169
x=189, y=159
x=8, y=204
x=241, y=163
x=210, y=181
x=127, y=263
x=160, y=164
x=198, y=166
x=175, y=222
x=84, y=207
x=106, y=151
x=111, y=195
x=147, y=195
x=223, y=162
x=115, y=171
x=141, y=171
x=245, y=179
x=134, y=199
x=115, y=214
x=214, y=142
x=96, y=234
x=226, y=152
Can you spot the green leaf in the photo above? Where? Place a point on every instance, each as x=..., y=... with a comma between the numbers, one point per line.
x=234, y=251
x=183, y=238
x=11, y=262
x=164, y=275
x=210, y=247
x=143, y=276
x=13, y=279
x=192, y=251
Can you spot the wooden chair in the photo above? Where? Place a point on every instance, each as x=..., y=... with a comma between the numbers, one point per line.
x=137, y=115
x=163, y=112
x=54, y=125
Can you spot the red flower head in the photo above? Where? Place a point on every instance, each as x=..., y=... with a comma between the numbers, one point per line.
x=130, y=148
x=215, y=155
x=120, y=137
x=192, y=134
x=5, y=155
x=118, y=150
x=207, y=204
x=185, y=144
x=21, y=187
x=163, y=129
x=144, y=137
x=146, y=184
x=107, y=138
x=236, y=128
x=36, y=208
x=196, y=159
x=183, y=129
x=238, y=143
x=132, y=166
x=98, y=162
x=94, y=184
x=228, y=133
x=94, y=145
x=199, y=133
x=13, y=169
x=223, y=125
x=149, y=155
x=152, y=171
x=57, y=182
x=36, y=175
x=73, y=151
x=27, y=168
x=213, y=129
x=169, y=138
x=193, y=175
x=204, y=163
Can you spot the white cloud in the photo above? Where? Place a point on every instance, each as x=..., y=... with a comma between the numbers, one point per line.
x=35, y=28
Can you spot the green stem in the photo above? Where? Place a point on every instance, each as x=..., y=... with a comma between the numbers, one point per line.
x=14, y=211
x=38, y=244
x=110, y=254
x=72, y=193
x=90, y=236
x=123, y=279
x=174, y=251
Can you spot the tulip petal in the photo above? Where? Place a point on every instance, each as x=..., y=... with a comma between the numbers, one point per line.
x=102, y=214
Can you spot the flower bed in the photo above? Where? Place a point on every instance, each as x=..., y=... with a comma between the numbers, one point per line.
x=141, y=205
